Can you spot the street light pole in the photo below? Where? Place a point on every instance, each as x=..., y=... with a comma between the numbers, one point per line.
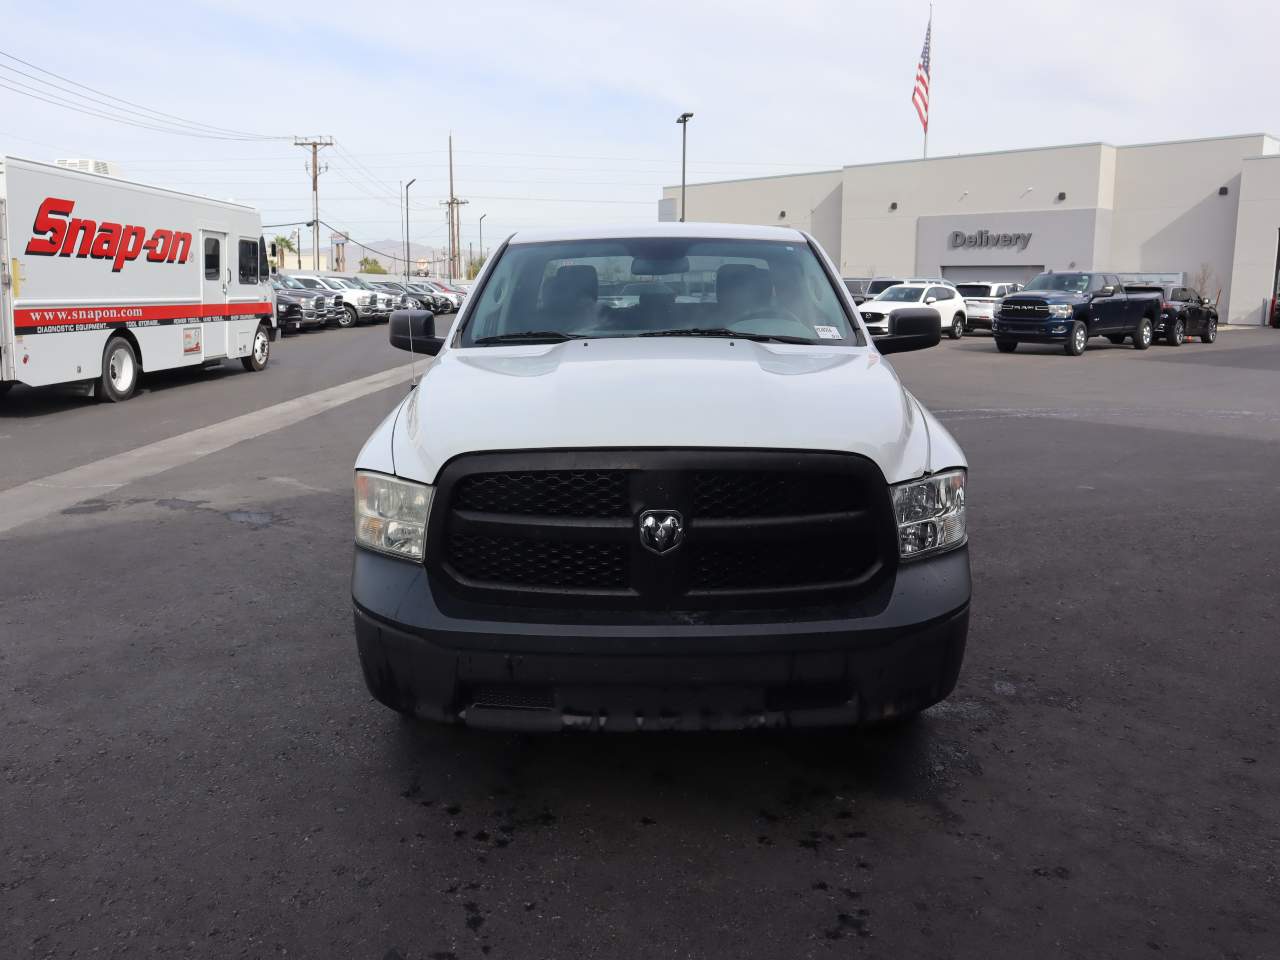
x=406, y=227
x=683, y=120
x=482, y=216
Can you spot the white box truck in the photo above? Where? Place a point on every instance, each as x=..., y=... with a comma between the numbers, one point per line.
x=101, y=279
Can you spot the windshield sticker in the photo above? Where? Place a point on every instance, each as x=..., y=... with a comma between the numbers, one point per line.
x=828, y=333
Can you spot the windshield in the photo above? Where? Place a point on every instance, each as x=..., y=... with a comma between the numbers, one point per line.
x=660, y=287
x=856, y=286
x=309, y=282
x=903, y=294
x=880, y=286
x=974, y=289
x=1068, y=282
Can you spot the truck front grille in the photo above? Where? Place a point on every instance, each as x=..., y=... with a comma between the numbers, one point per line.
x=1023, y=309
x=562, y=528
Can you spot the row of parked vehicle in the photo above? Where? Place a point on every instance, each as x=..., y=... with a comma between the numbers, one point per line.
x=313, y=300
x=1064, y=309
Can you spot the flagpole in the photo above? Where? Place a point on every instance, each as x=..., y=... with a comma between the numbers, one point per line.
x=926, y=125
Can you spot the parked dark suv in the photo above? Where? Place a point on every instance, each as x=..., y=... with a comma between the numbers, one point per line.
x=1069, y=308
x=1183, y=313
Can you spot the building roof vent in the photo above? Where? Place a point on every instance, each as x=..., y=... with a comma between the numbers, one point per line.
x=1223, y=191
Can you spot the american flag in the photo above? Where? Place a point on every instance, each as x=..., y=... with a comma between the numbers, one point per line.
x=920, y=95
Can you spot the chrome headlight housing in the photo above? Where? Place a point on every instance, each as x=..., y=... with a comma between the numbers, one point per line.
x=391, y=514
x=930, y=514
x=1060, y=310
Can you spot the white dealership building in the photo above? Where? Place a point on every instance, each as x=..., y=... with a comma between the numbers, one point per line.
x=1206, y=210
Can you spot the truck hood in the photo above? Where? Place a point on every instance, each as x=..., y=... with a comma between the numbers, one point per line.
x=661, y=392
x=1046, y=296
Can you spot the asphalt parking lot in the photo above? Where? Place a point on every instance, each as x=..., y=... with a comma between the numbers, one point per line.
x=192, y=767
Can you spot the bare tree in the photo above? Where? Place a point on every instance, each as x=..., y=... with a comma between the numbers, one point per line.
x=1205, y=280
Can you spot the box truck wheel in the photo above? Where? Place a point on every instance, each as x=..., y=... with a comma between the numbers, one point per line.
x=261, y=352
x=5, y=387
x=119, y=372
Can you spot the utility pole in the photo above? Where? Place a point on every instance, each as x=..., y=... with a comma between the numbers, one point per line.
x=482, y=216
x=315, y=143
x=455, y=222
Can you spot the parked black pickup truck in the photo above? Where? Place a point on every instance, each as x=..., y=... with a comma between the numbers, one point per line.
x=1069, y=308
x=1183, y=313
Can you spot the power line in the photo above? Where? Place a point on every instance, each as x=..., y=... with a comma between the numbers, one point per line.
x=159, y=116
x=106, y=116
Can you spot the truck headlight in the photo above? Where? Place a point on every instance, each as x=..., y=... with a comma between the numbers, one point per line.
x=930, y=514
x=391, y=514
x=1059, y=309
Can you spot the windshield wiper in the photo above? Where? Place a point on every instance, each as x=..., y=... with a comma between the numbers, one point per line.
x=726, y=332
x=524, y=336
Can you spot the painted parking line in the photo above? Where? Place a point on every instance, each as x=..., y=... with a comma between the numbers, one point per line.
x=40, y=498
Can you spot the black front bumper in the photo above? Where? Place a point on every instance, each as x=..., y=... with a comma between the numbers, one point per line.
x=1024, y=332
x=855, y=668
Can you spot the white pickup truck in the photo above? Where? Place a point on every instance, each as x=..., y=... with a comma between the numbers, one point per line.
x=720, y=510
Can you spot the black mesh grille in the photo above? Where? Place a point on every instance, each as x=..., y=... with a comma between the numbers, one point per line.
x=584, y=493
x=783, y=564
x=540, y=563
x=743, y=493
x=510, y=696
x=562, y=529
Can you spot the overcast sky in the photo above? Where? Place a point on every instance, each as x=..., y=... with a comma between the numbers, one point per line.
x=574, y=104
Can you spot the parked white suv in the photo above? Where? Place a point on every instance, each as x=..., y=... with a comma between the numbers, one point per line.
x=981, y=301
x=722, y=511
x=878, y=314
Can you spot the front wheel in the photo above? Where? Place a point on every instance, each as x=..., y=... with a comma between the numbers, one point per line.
x=1178, y=335
x=1210, y=332
x=261, y=352
x=957, y=327
x=5, y=387
x=1006, y=346
x=119, y=372
x=1142, y=336
x=349, y=316
x=1077, y=341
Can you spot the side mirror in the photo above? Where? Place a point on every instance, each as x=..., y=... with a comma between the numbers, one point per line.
x=915, y=329
x=929, y=300
x=415, y=331
x=1107, y=291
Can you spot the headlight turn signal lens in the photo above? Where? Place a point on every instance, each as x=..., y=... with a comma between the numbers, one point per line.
x=391, y=514
x=930, y=514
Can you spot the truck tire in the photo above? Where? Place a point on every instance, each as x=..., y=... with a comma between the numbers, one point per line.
x=119, y=372
x=1006, y=346
x=1078, y=340
x=957, y=327
x=260, y=353
x=1142, y=336
x=5, y=387
x=1177, y=334
x=349, y=316
x=1208, y=335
